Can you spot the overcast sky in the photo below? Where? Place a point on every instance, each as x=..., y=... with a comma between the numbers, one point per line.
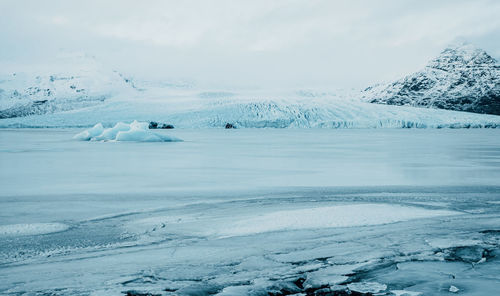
x=264, y=43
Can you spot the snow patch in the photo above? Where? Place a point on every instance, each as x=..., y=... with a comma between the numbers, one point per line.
x=331, y=216
x=31, y=229
x=133, y=132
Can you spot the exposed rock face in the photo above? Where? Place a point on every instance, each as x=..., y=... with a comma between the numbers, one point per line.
x=156, y=125
x=153, y=125
x=461, y=78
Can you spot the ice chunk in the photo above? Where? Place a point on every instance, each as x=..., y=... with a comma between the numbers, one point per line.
x=31, y=229
x=93, y=132
x=405, y=293
x=454, y=289
x=330, y=276
x=367, y=287
x=450, y=242
x=111, y=133
x=235, y=290
x=135, y=131
x=140, y=136
x=136, y=125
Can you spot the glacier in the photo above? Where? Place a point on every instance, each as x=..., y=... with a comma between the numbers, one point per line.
x=184, y=109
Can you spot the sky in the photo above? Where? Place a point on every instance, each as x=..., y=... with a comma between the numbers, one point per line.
x=316, y=43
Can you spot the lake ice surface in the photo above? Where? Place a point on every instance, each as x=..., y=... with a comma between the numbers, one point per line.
x=251, y=211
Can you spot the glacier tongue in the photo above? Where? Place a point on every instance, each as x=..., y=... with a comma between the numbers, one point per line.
x=247, y=112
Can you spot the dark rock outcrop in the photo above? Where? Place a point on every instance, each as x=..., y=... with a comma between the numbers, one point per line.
x=156, y=125
x=153, y=125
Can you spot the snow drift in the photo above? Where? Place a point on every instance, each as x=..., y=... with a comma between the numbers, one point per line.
x=133, y=132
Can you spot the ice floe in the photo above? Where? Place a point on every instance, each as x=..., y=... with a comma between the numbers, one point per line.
x=330, y=216
x=284, y=220
x=367, y=287
x=133, y=132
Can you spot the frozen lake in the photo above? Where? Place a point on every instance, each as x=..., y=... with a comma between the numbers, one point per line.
x=251, y=211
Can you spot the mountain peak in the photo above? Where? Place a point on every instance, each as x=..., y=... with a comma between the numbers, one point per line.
x=463, y=78
x=458, y=56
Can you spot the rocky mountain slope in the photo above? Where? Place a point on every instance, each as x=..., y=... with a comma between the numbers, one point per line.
x=461, y=78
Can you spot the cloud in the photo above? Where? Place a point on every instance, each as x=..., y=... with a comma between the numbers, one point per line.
x=277, y=42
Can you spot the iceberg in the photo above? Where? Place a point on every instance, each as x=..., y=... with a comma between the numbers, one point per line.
x=91, y=133
x=133, y=132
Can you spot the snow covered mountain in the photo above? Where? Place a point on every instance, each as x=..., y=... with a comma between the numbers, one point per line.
x=71, y=82
x=461, y=78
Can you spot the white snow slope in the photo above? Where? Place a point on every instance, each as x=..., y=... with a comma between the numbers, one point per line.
x=71, y=81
